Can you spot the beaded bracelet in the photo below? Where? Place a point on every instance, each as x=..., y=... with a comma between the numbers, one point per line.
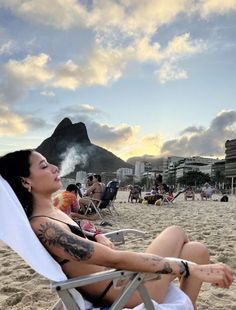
x=187, y=273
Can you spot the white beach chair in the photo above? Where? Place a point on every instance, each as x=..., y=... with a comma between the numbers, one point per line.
x=17, y=233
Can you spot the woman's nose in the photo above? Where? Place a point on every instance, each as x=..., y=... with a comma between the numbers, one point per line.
x=55, y=169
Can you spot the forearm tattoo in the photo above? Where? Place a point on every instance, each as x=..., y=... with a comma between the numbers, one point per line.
x=166, y=268
x=51, y=234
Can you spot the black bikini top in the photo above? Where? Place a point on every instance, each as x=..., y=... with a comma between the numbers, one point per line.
x=76, y=230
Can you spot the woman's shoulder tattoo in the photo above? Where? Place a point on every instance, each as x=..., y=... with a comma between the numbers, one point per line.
x=53, y=235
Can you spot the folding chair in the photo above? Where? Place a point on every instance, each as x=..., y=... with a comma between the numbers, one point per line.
x=107, y=200
x=17, y=233
x=170, y=201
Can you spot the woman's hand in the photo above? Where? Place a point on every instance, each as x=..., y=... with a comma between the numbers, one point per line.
x=219, y=274
x=100, y=238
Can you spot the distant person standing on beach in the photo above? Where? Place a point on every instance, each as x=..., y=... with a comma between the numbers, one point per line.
x=158, y=181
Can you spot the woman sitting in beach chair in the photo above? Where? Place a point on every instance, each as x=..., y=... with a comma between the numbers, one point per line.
x=134, y=194
x=189, y=193
x=93, y=193
x=157, y=194
x=170, y=254
x=206, y=192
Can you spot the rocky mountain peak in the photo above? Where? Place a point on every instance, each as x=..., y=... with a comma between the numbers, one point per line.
x=70, y=141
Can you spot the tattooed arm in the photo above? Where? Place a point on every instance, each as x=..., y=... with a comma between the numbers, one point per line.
x=62, y=243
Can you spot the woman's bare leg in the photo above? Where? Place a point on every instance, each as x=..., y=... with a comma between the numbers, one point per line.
x=84, y=203
x=173, y=242
x=198, y=253
x=169, y=243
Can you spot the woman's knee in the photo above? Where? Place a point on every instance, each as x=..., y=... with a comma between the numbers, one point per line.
x=197, y=252
x=177, y=232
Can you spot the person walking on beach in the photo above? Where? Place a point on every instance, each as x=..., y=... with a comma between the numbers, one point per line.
x=170, y=254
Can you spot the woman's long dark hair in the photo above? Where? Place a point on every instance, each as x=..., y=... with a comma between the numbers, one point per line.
x=14, y=166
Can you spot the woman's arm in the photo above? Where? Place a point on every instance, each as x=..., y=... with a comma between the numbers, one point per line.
x=90, y=190
x=62, y=243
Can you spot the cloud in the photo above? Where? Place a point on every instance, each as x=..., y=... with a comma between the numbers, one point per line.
x=62, y=14
x=100, y=133
x=101, y=67
x=170, y=72
x=119, y=37
x=149, y=144
x=11, y=124
x=205, y=142
x=216, y=7
x=32, y=70
x=99, y=15
x=15, y=124
x=104, y=65
x=192, y=129
x=82, y=112
x=179, y=48
x=36, y=123
x=111, y=136
x=47, y=93
x=20, y=76
x=7, y=48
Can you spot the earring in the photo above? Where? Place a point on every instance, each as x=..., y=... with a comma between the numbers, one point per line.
x=29, y=189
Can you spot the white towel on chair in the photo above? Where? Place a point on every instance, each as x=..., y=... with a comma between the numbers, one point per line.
x=175, y=299
x=17, y=233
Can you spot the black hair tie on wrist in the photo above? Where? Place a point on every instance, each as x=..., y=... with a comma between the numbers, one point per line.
x=187, y=273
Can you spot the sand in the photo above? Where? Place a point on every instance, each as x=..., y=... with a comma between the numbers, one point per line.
x=212, y=222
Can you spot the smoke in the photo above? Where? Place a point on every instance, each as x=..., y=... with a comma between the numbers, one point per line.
x=71, y=158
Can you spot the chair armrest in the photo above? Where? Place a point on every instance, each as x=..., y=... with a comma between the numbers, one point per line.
x=90, y=198
x=112, y=274
x=118, y=236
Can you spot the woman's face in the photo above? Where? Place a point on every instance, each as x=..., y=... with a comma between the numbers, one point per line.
x=44, y=177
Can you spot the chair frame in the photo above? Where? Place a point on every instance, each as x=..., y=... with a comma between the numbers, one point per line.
x=136, y=280
x=96, y=203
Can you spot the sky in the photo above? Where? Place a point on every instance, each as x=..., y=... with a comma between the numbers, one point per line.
x=153, y=77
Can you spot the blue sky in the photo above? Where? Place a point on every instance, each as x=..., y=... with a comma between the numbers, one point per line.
x=146, y=76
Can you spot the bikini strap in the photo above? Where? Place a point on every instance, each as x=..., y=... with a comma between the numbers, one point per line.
x=72, y=227
x=52, y=218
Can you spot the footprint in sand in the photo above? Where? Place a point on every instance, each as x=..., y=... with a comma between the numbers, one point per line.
x=14, y=299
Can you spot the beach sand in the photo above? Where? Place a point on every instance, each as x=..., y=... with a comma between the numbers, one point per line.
x=211, y=222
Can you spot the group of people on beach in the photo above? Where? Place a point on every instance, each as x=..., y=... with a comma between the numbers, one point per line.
x=170, y=254
x=76, y=207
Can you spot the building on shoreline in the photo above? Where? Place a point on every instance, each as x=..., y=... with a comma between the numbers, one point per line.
x=230, y=163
